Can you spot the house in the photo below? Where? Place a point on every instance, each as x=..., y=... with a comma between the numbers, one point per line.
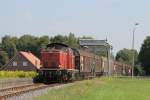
x=24, y=61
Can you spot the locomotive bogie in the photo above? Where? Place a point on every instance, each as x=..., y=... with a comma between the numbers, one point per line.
x=56, y=75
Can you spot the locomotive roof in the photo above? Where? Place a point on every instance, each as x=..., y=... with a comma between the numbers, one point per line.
x=57, y=44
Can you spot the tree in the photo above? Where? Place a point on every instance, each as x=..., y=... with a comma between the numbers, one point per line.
x=138, y=70
x=86, y=37
x=126, y=56
x=58, y=39
x=43, y=41
x=3, y=58
x=28, y=43
x=9, y=45
x=70, y=40
x=144, y=55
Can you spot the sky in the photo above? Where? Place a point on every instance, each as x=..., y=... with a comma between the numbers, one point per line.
x=101, y=19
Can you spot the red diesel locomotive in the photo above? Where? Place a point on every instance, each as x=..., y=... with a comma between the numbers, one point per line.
x=57, y=62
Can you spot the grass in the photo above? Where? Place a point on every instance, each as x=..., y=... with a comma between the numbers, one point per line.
x=15, y=74
x=102, y=89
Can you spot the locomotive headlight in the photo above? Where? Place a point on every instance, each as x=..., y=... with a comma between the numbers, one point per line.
x=59, y=66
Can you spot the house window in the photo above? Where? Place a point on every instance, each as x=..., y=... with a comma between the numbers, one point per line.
x=14, y=63
x=25, y=63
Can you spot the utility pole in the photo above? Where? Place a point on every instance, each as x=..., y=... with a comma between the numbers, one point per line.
x=133, y=51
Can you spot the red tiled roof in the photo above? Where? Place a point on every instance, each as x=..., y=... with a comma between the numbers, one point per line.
x=32, y=58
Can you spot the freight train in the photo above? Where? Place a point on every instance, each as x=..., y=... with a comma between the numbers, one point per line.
x=60, y=63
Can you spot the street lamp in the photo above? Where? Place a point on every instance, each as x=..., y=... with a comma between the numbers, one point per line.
x=133, y=53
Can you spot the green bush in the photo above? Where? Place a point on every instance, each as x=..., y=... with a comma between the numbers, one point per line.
x=20, y=74
x=138, y=70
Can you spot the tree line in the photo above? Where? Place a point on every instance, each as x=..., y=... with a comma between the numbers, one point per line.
x=141, y=59
x=10, y=45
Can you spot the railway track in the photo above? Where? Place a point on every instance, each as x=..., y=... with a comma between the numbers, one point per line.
x=16, y=91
